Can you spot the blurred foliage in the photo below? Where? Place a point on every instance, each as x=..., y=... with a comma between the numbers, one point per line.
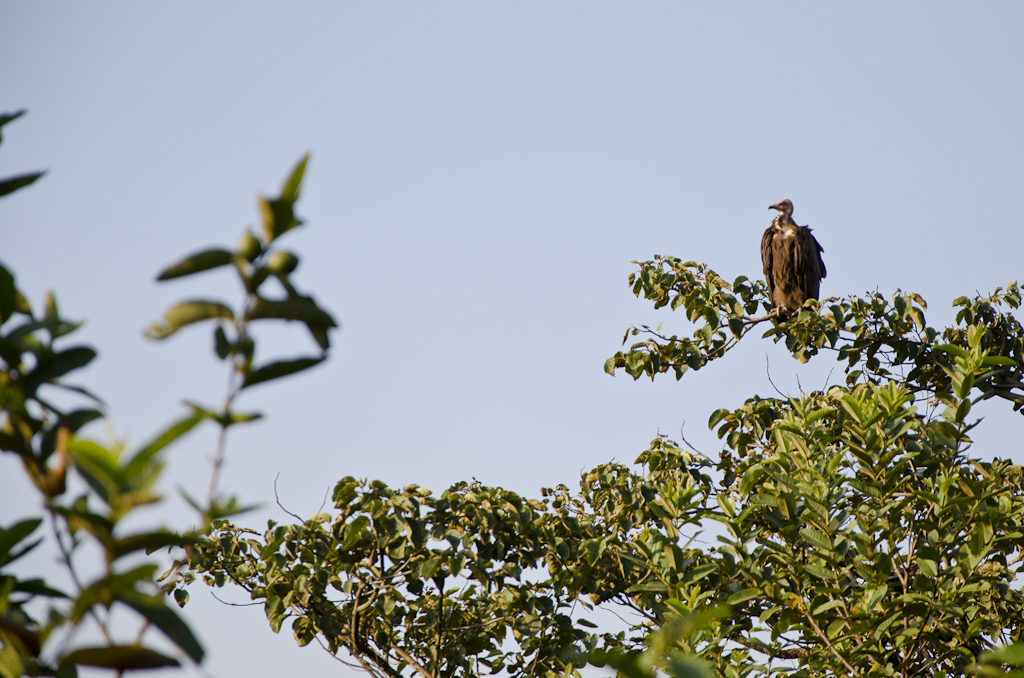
x=38, y=620
x=854, y=535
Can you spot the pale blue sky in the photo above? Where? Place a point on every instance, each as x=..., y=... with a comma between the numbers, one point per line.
x=482, y=174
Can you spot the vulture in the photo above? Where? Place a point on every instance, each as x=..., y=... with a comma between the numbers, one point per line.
x=792, y=262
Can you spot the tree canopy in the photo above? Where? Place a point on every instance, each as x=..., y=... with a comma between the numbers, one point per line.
x=844, y=532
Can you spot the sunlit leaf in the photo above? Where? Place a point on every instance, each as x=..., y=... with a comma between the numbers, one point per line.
x=186, y=313
x=290, y=189
x=195, y=263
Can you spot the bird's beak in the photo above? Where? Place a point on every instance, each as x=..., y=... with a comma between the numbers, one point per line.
x=774, y=207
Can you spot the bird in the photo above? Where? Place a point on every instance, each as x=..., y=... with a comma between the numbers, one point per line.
x=793, y=268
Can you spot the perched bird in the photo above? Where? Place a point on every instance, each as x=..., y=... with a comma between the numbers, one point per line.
x=792, y=262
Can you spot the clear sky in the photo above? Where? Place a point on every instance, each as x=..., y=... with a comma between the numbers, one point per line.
x=482, y=175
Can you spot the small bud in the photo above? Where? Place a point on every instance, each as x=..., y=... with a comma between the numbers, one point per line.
x=282, y=262
x=249, y=246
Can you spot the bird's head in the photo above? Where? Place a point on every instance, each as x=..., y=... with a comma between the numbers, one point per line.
x=785, y=207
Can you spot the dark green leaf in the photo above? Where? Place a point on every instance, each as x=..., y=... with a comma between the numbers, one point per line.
x=57, y=365
x=221, y=345
x=8, y=295
x=278, y=369
x=165, y=619
x=119, y=657
x=12, y=626
x=303, y=309
x=8, y=117
x=12, y=184
x=200, y=261
x=39, y=587
x=17, y=532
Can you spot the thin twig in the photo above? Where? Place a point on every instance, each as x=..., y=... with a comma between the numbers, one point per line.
x=66, y=555
x=687, y=443
x=768, y=371
x=224, y=602
x=828, y=643
x=277, y=500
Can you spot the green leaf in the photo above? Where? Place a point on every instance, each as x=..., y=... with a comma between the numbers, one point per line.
x=9, y=117
x=999, y=360
x=278, y=217
x=186, y=313
x=195, y=263
x=953, y=350
x=119, y=657
x=1009, y=654
x=816, y=538
x=8, y=295
x=819, y=571
x=698, y=573
x=297, y=307
x=221, y=345
x=825, y=607
x=10, y=536
x=57, y=365
x=165, y=619
x=872, y=596
x=278, y=369
x=744, y=595
x=11, y=627
x=12, y=184
x=165, y=438
x=290, y=189
x=79, y=518
x=149, y=542
x=650, y=586
x=38, y=587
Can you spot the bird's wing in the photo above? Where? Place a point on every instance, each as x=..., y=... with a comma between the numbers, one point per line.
x=810, y=269
x=821, y=262
x=766, y=260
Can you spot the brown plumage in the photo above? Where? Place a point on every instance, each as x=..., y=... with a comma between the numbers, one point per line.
x=792, y=262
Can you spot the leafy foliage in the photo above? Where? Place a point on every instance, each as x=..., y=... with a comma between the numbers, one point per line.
x=843, y=533
x=34, y=362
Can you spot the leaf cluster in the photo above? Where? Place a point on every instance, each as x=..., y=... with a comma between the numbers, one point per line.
x=255, y=259
x=35, y=362
x=878, y=339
